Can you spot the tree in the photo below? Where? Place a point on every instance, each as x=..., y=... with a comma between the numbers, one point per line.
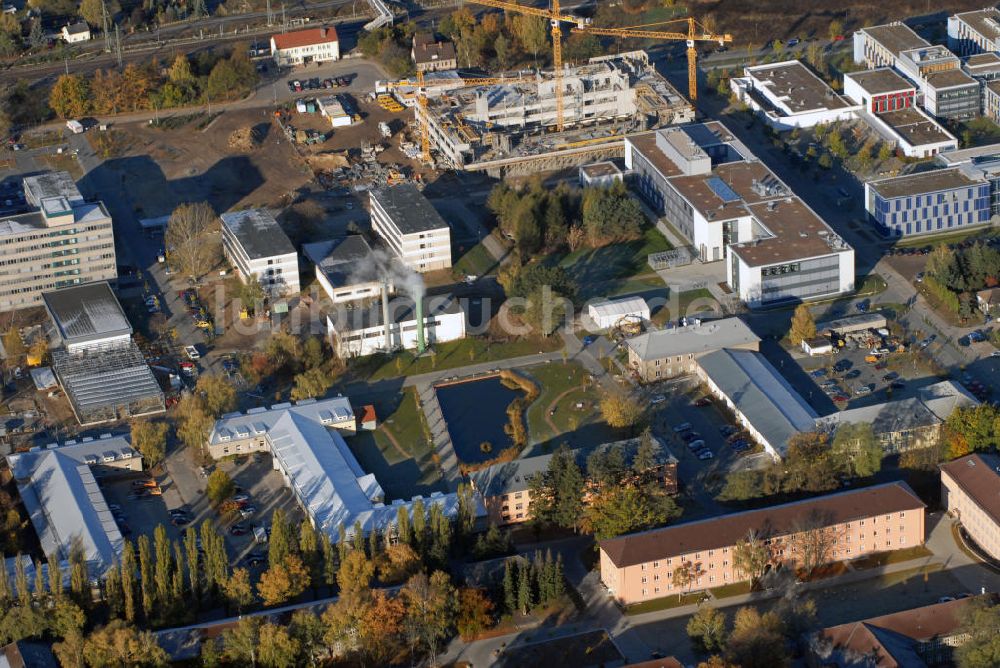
x=162, y=568
x=193, y=423
x=217, y=394
x=92, y=11
x=885, y=151
x=647, y=455
x=707, y=629
x=532, y=33
x=355, y=574
x=856, y=448
x=381, y=624
x=751, y=557
x=979, y=426
x=150, y=439
x=251, y=293
x=756, y=640
x=242, y=641
x=283, y=581
x=624, y=509
x=192, y=237
x=812, y=541
x=277, y=647
x=13, y=345
x=146, y=587
x=803, y=325
x=430, y=609
x=311, y=383
x=70, y=96
x=475, y=612
x=980, y=619
x=119, y=644
x=835, y=29
x=557, y=494
x=398, y=563
x=128, y=581
x=219, y=487
x=683, y=576
x=308, y=630
x=238, y=590
x=621, y=411
x=525, y=593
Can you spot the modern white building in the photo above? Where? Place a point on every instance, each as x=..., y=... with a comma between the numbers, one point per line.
x=932, y=202
x=301, y=47
x=789, y=95
x=600, y=174
x=356, y=332
x=307, y=447
x=732, y=208
x=761, y=399
x=74, y=33
x=612, y=312
x=256, y=245
x=947, y=90
x=345, y=268
x=98, y=365
x=63, y=241
x=58, y=486
x=411, y=227
x=974, y=32
x=879, y=90
x=913, y=132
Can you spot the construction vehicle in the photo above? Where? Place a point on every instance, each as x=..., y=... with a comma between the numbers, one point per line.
x=695, y=33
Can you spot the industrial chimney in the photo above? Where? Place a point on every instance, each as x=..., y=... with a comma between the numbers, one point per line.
x=418, y=309
x=386, y=322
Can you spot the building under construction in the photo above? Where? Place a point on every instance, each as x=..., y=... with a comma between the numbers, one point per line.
x=509, y=127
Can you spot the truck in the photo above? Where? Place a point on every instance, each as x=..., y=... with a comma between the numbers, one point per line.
x=76, y=127
x=260, y=534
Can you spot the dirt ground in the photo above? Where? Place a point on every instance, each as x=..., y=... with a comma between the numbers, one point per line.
x=166, y=166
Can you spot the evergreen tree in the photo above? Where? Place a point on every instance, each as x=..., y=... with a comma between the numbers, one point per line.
x=647, y=454
x=146, y=576
x=162, y=571
x=466, y=510
x=558, y=578
x=557, y=494
x=524, y=599
x=509, y=592
x=128, y=581
x=403, y=526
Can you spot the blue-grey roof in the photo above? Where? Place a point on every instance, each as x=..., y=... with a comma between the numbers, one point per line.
x=766, y=400
x=698, y=339
x=341, y=259
x=322, y=471
x=258, y=233
x=86, y=312
x=409, y=210
x=65, y=503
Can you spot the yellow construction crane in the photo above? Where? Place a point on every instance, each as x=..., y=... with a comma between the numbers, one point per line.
x=421, y=85
x=695, y=33
x=555, y=20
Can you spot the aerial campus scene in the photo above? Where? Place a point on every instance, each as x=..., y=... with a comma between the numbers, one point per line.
x=474, y=333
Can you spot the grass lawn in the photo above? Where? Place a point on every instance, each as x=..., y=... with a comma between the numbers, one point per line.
x=449, y=355
x=892, y=579
x=403, y=464
x=63, y=162
x=665, y=603
x=894, y=557
x=476, y=261
x=735, y=589
x=569, y=382
x=593, y=267
x=950, y=238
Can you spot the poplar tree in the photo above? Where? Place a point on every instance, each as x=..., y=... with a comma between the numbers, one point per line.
x=177, y=584
x=55, y=576
x=128, y=581
x=329, y=563
x=419, y=525
x=194, y=570
x=39, y=580
x=162, y=570
x=146, y=576
x=403, y=532
x=113, y=590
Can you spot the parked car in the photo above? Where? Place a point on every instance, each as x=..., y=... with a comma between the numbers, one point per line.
x=657, y=399
x=853, y=373
x=192, y=352
x=818, y=373
x=684, y=426
x=696, y=445
x=247, y=511
x=691, y=436
x=862, y=390
x=841, y=398
x=728, y=430
x=705, y=454
x=891, y=376
x=179, y=520
x=240, y=498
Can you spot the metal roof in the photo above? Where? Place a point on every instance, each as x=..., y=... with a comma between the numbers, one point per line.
x=322, y=471
x=765, y=399
x=258, y=233
x=86, y=312
x=619, y=307
x=64, y=501
x=706, y=337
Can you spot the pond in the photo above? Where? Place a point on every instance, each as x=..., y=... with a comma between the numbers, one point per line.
x=475, y=412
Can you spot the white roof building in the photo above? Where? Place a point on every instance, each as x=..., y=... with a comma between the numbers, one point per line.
x=319, y=468
x=609, y=313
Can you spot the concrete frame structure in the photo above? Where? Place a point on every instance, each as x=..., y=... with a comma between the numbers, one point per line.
x=361, y=331
x=933, y=202
x=789, y=95
x=411, y=227
x=326, y=479
x=256, y=245
x=300, y=47
x=64, y=241
x=506, y=488
x=969, y=493
x=731, y=207
x=883, y=518
x=666, y=353
x=499, y=128
x=974, y=32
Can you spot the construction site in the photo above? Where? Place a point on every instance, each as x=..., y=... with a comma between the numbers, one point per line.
x=521, y=125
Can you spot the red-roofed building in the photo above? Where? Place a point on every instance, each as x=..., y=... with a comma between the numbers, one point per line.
x=312, y=45
x=368, y=419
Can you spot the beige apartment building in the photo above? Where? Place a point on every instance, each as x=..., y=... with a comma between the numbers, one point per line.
x=63, y=241
x=411, y=227
x=639, y=567
x=506, y=488
x=666, y=353
x=969, y=493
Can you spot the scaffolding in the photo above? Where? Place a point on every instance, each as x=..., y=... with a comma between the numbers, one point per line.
x=107, y=383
